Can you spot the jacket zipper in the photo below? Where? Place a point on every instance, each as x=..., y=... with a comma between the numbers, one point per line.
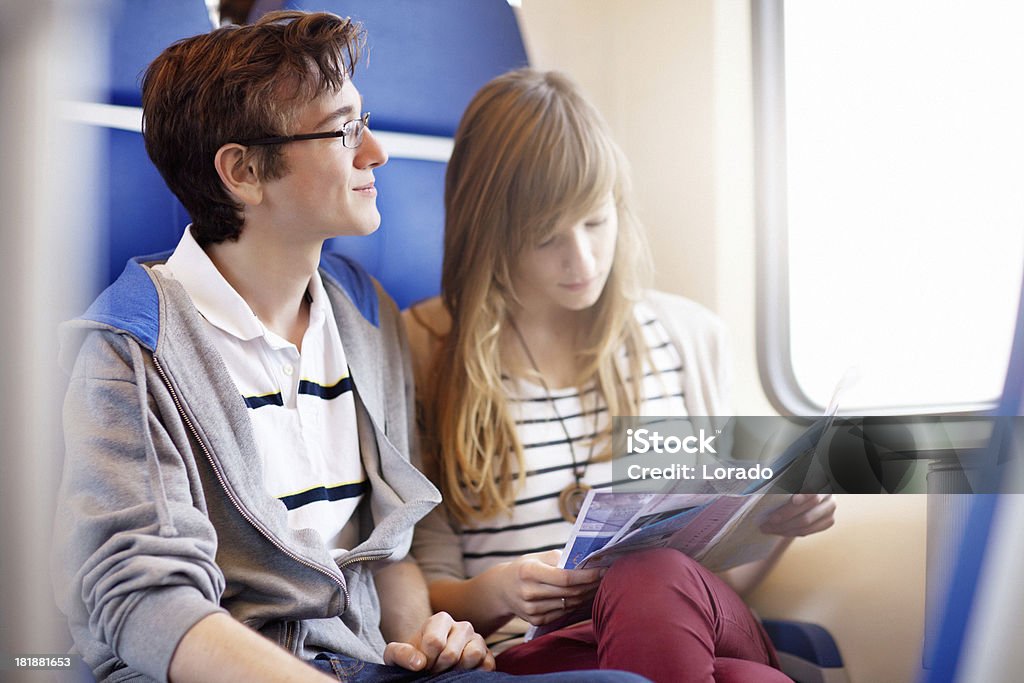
x=289, y=635
x=364, y=558
x=237, y=504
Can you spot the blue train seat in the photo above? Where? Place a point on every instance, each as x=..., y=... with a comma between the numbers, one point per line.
x=424, y=62
x=137, y=213
x=807, y=652
x=960, y=611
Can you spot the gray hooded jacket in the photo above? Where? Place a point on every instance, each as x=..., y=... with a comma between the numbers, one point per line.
x=163, y=518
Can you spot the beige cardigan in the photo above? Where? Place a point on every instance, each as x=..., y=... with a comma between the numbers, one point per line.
x=699, y=337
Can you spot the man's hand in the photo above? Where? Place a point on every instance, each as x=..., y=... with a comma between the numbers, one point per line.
x=441, y=644
x=804, y=514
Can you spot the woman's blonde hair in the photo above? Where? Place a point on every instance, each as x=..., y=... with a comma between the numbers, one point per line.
x=530, y=154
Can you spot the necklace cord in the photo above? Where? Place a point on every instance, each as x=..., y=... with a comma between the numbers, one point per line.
x=577, y=473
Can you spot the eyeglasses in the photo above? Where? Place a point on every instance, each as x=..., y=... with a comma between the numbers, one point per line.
x=351, y=134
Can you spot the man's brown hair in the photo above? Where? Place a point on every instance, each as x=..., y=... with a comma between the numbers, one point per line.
x=233, y=84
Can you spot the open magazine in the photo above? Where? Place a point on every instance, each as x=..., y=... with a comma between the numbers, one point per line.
x=719, y=525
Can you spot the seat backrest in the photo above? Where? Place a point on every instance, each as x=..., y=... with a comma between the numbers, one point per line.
x=140, y=30
x=424, y=62
x=138, y=214
x=977, y=542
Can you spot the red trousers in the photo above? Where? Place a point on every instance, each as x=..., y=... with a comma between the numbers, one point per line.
x=661, y=615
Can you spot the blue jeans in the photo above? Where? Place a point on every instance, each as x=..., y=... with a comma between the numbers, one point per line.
x=355, y=671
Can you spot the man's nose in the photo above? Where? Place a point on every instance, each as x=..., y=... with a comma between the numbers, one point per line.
x=370, y=154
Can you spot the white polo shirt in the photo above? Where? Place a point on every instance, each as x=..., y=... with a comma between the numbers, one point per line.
x=301, y=405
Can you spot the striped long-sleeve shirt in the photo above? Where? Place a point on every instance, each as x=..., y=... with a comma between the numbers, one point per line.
x=535, y=523
x=688, y=376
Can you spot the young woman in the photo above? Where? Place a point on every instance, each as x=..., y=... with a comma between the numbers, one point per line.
x=544, y=330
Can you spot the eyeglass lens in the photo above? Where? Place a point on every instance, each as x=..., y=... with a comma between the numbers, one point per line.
x=352, y=131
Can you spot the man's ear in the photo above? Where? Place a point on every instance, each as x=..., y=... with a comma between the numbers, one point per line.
x=238, y=173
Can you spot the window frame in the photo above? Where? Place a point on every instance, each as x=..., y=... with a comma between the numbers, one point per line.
x=772, y=298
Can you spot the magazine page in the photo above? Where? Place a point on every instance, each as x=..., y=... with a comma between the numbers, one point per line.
x=719, y=526
x=746, y=542
x=601, y=517
x=690, y=531
x=662, y=506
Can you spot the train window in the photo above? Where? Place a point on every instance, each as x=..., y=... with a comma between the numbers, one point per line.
x=890, y=162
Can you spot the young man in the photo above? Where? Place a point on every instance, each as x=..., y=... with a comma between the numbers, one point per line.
x=238, y=494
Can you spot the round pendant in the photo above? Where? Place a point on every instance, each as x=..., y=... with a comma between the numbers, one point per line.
x=570, y=500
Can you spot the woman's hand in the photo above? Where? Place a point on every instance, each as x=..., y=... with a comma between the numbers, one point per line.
x=804, y=514
x=534, y=588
